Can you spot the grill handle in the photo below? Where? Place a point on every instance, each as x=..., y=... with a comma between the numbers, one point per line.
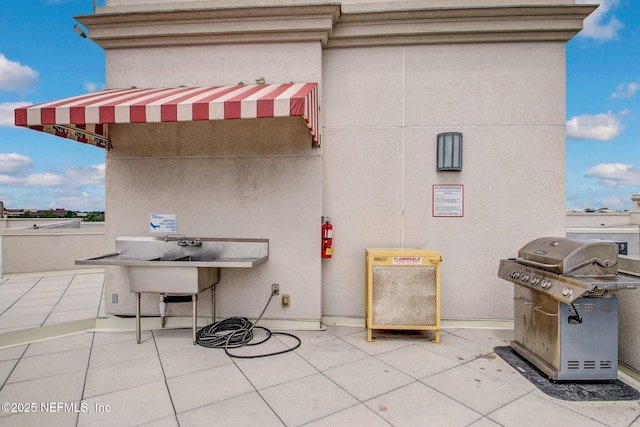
x=537, y=264
x=602, y=263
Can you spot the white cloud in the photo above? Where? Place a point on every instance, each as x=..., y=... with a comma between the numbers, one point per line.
x=615, y=175
x=626, y=90
x=10, y=180
x=79, y=201
x=93, y=87
x=14, y=163
x=15, y=172
x=7, y=115
x=601, y=127
x=600, y=25
x=17, y=77
x=616, y=202
x=91, y=176
x=44, y=179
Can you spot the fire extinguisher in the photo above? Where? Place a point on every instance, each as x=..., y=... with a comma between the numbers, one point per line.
x=327, y=237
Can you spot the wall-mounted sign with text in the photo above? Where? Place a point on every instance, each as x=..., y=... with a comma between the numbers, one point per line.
x=448, y=200
x=162, y=223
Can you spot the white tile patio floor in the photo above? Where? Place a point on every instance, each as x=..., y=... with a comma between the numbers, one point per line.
x=335, y=378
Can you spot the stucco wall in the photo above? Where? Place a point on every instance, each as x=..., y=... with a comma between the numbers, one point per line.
x=593, y=219
x=29, y=251
x=383, y=108
x=255, y=178
x=213, y=65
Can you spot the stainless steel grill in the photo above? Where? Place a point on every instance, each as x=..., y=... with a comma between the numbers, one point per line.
x=566, y=306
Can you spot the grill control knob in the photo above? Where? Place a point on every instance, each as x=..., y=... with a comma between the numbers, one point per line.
x=515, y=274
x=567, y=292
x=535, y=281
x=524, y=277
x=546, y=284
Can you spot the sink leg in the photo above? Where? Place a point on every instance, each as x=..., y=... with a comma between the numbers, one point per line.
x=163, y=310
x=194, y=300
x=138, y=334
x=213, y=304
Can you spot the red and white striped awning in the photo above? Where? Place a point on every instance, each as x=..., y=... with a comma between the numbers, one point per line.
x=84, y=117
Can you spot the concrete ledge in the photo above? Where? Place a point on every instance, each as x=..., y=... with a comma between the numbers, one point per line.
x=54, y=273
x=43, y=333
x=128, y=324
x=444, y=323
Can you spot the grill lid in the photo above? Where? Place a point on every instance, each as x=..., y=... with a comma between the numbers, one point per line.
x=571, y=257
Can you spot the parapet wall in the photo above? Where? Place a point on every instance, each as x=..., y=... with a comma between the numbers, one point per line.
x=41, y=249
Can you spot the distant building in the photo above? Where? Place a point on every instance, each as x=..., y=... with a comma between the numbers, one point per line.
x=8, y=213
x=606, y=224
x=60, y=212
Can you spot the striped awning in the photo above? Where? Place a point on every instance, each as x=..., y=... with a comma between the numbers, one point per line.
x=84, y=118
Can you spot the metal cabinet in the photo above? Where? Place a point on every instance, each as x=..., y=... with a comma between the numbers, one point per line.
x=567, y=342
x=523, y=304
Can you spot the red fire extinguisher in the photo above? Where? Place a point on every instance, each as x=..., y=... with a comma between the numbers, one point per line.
x=327, y=237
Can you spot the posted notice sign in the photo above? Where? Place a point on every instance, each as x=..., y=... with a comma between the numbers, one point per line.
x=162, y=223
x=448, y=200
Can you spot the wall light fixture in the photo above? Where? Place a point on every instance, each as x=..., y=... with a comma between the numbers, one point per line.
x=449, y=155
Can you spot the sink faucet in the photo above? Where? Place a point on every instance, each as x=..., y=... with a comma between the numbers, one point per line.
x=166, y=236
x=190, y=241
x=184, y=240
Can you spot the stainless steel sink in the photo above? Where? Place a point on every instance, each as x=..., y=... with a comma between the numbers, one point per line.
x=165, y=266
x=154, y=251
x=172, y=279
x=160, y=265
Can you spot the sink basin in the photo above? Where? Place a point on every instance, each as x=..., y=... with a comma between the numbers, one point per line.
x=172, y=279
x=173, y=259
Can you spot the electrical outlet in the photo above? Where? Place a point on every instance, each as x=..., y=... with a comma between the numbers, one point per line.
x=275, y=289
x=114, y=298
x=286, y=300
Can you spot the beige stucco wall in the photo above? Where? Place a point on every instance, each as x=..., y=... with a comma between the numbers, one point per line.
x=213, y=65
x=238, y=179
x=383, y=108
x=387, y=89
x=594, y=219
x=29, y=251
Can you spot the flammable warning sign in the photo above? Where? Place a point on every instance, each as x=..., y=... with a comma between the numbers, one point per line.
x=407, y=260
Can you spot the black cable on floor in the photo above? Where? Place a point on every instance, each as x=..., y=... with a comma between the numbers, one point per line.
x=235, y=332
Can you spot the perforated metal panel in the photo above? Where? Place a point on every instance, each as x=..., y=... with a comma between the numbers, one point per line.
x=404, y=295
x=403, y=290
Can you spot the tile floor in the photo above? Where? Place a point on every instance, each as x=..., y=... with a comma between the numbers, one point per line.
x=335, y=378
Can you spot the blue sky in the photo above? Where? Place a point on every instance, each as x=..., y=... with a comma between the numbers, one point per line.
x=42, y=58
x=603, y=108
